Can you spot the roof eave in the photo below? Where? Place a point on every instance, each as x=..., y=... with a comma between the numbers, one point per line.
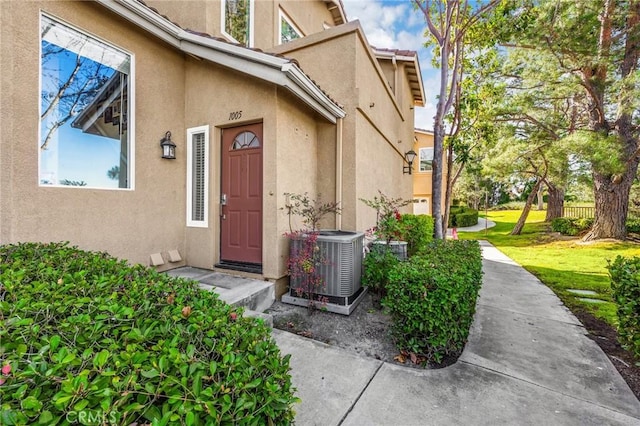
x=418, y=91
x=261, y=65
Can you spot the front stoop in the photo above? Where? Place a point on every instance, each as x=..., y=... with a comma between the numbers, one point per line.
x=253, y=295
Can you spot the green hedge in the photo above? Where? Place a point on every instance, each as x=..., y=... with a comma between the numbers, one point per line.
x=417, y=231
x=84, y=334
x=432, y=298
x=377, y=264
x=571, y=226
x=468, y=218
x=633, y=225
x=625, y=284
x=461, y=216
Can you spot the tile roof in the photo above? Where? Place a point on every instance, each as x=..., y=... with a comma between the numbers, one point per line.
x=398, y=52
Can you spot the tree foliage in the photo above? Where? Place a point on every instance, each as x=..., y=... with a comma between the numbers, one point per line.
x=584, y=54
x=448, y=23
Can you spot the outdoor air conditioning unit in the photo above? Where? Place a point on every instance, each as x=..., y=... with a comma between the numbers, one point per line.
x=341, y=271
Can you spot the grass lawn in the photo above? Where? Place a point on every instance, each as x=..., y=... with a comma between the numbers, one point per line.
x=561, y=263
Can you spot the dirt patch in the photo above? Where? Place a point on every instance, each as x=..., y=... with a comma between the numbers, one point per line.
x=365, y=332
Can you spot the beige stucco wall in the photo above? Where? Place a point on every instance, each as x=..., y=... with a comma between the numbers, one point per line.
x=206, y=16
x=377, y=129
x=289, y=154
x=187, y=93
x=308, y=16
x=127, y=223
x=387, y=126
x=197, y=15
x=206, y=85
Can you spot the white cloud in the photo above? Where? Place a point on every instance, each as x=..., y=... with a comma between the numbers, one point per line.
x=424, y=116
x=378, y=20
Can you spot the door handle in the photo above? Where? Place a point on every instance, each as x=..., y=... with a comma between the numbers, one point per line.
x=223, y=202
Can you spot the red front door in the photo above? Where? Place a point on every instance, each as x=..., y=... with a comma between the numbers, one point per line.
x=241, y=227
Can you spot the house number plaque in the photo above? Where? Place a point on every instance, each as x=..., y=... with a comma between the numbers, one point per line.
x=235, y=115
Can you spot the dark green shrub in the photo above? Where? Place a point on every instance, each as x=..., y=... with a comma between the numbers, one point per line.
x=571, y=226
x=584, y=224
x=633, y=225
x=468, y=218
x=625, y=285
x=461, y=216
x=563, y=225
x=432, y=298
x=377, y=264
x=417, y=231
x=85, y=334
x=453, y=211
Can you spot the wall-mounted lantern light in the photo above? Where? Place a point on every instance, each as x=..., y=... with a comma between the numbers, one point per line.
x=168, y=147
x=409, y=156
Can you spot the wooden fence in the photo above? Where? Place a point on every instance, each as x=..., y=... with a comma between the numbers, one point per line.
x=579, y=212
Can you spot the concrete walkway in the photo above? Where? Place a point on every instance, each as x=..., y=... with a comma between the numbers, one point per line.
x=480, y=226
x=527, y=362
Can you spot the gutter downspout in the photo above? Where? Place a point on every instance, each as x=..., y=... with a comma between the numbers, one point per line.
x=339, y=122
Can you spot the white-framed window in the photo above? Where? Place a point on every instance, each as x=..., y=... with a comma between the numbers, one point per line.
x=426, y=159
x=237, y=19
x=198, y=177
x=287, y=29
x=86, y=110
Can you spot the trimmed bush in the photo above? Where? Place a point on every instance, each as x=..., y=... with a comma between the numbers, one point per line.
x=377, y=264
x=468, y=218
x=461, y=216
x=417, y=231
x=432, y=298
x=625, y=285
x=563, y=225
x=83, y=332
x=571, y=226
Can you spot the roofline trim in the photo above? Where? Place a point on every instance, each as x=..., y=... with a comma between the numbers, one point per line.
x=280, y=71
x=414, y=59
x=423, y=131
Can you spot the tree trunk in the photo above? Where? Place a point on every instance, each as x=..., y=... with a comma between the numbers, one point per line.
x=555, y=202
x=436, y=179
x=527, y=207
x=611, y=192
x=449, y=189
x=540, y=198
x=612, y=204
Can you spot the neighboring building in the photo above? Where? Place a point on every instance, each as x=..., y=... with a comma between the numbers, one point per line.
x=91, y=88
x=422, y=173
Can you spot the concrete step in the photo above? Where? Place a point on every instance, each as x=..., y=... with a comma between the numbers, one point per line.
x=254, y=295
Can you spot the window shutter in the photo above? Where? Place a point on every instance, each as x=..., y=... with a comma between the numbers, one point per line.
x=197, y=176
x=198, y=194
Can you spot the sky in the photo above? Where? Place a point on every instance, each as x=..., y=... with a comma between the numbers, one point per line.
x=395, y=24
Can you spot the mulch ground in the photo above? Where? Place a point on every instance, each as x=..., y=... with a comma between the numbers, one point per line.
x=607, y=338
